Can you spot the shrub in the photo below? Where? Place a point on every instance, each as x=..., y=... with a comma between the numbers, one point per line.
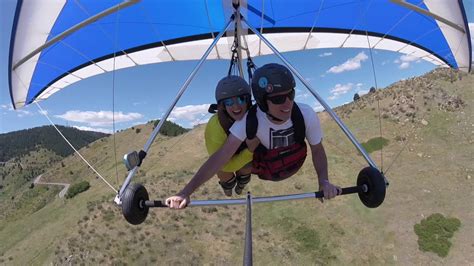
x=77, y=188
x=434, y=233
x=374, y=144
x=356, y=97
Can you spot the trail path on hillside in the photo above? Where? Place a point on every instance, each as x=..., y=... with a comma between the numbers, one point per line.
x=61, y=193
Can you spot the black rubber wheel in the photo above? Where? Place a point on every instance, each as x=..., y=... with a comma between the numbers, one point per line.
x=375, y=182
x=133, y=208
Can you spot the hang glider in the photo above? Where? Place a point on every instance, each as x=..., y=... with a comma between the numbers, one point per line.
x=56, y=44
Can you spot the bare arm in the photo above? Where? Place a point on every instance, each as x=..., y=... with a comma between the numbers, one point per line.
x=320, y=164
x=215, y=162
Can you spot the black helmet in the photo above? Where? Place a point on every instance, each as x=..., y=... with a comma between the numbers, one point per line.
x=231, y=86
x=270, y=78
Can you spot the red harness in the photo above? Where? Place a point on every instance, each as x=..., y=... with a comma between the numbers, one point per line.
x=279, y=163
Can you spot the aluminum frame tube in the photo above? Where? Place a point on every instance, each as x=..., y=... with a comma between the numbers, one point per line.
x=173, y=104
x=317, y=96
x=248, y=254
x=242, y=201
x=238, y=30
x=429, y=14
x=75, y=28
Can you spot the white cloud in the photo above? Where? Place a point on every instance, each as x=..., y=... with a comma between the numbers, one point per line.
x=96, y=129
x=325, y=54
x=318, y=107
x=404, y=65
x=341, y=89
x=101, y=118
x=18, y=112
x=405, y=61
x=408, y=58
x=351, y=64
x=8, y=107
x=139, y=103
x=23, y=113
x=300, y=95
x=190, y=114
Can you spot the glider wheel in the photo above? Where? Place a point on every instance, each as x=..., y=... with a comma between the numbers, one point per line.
x=133, y=208
x=375, y=182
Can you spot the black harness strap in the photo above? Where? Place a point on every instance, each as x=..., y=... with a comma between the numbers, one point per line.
x=296, y=117
x=252, y=122
x=298, y=124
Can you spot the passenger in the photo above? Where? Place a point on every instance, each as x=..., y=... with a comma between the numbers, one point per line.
x=233, y=100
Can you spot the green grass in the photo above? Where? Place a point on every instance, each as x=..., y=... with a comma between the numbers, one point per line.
x=435, y=232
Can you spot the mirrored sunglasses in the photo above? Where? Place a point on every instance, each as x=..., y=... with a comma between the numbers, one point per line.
x=242, y=99
x=281, y=99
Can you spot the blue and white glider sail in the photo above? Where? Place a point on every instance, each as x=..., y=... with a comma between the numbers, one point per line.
x=58, y=43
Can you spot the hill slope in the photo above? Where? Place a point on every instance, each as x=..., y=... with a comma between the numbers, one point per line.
x=18, y=143
x=428, y=122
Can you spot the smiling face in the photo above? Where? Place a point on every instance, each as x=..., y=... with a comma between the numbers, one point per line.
x=236, y=107
x=280, y=104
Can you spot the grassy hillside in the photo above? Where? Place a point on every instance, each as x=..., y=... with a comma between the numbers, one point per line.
x=428, y=125
x=18, y=197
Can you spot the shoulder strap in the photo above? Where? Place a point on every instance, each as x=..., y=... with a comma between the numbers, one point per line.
x=298, y=124
x=252, y=122
x=212, y=108
x=296, y=118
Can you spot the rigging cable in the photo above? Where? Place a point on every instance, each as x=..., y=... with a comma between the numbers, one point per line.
x=75, y=150
x=113, y=97
x=378, y=98
x=261, y=29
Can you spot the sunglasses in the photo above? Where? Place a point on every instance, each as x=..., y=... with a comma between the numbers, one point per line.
x=235, y=100
x=281, y=99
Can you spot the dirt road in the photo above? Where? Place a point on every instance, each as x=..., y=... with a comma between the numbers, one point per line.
x=61, y=193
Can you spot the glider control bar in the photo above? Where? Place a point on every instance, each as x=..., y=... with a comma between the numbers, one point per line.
x=370, y=188
x=243, y=201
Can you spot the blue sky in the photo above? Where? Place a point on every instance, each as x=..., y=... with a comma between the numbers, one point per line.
x=144, y=93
